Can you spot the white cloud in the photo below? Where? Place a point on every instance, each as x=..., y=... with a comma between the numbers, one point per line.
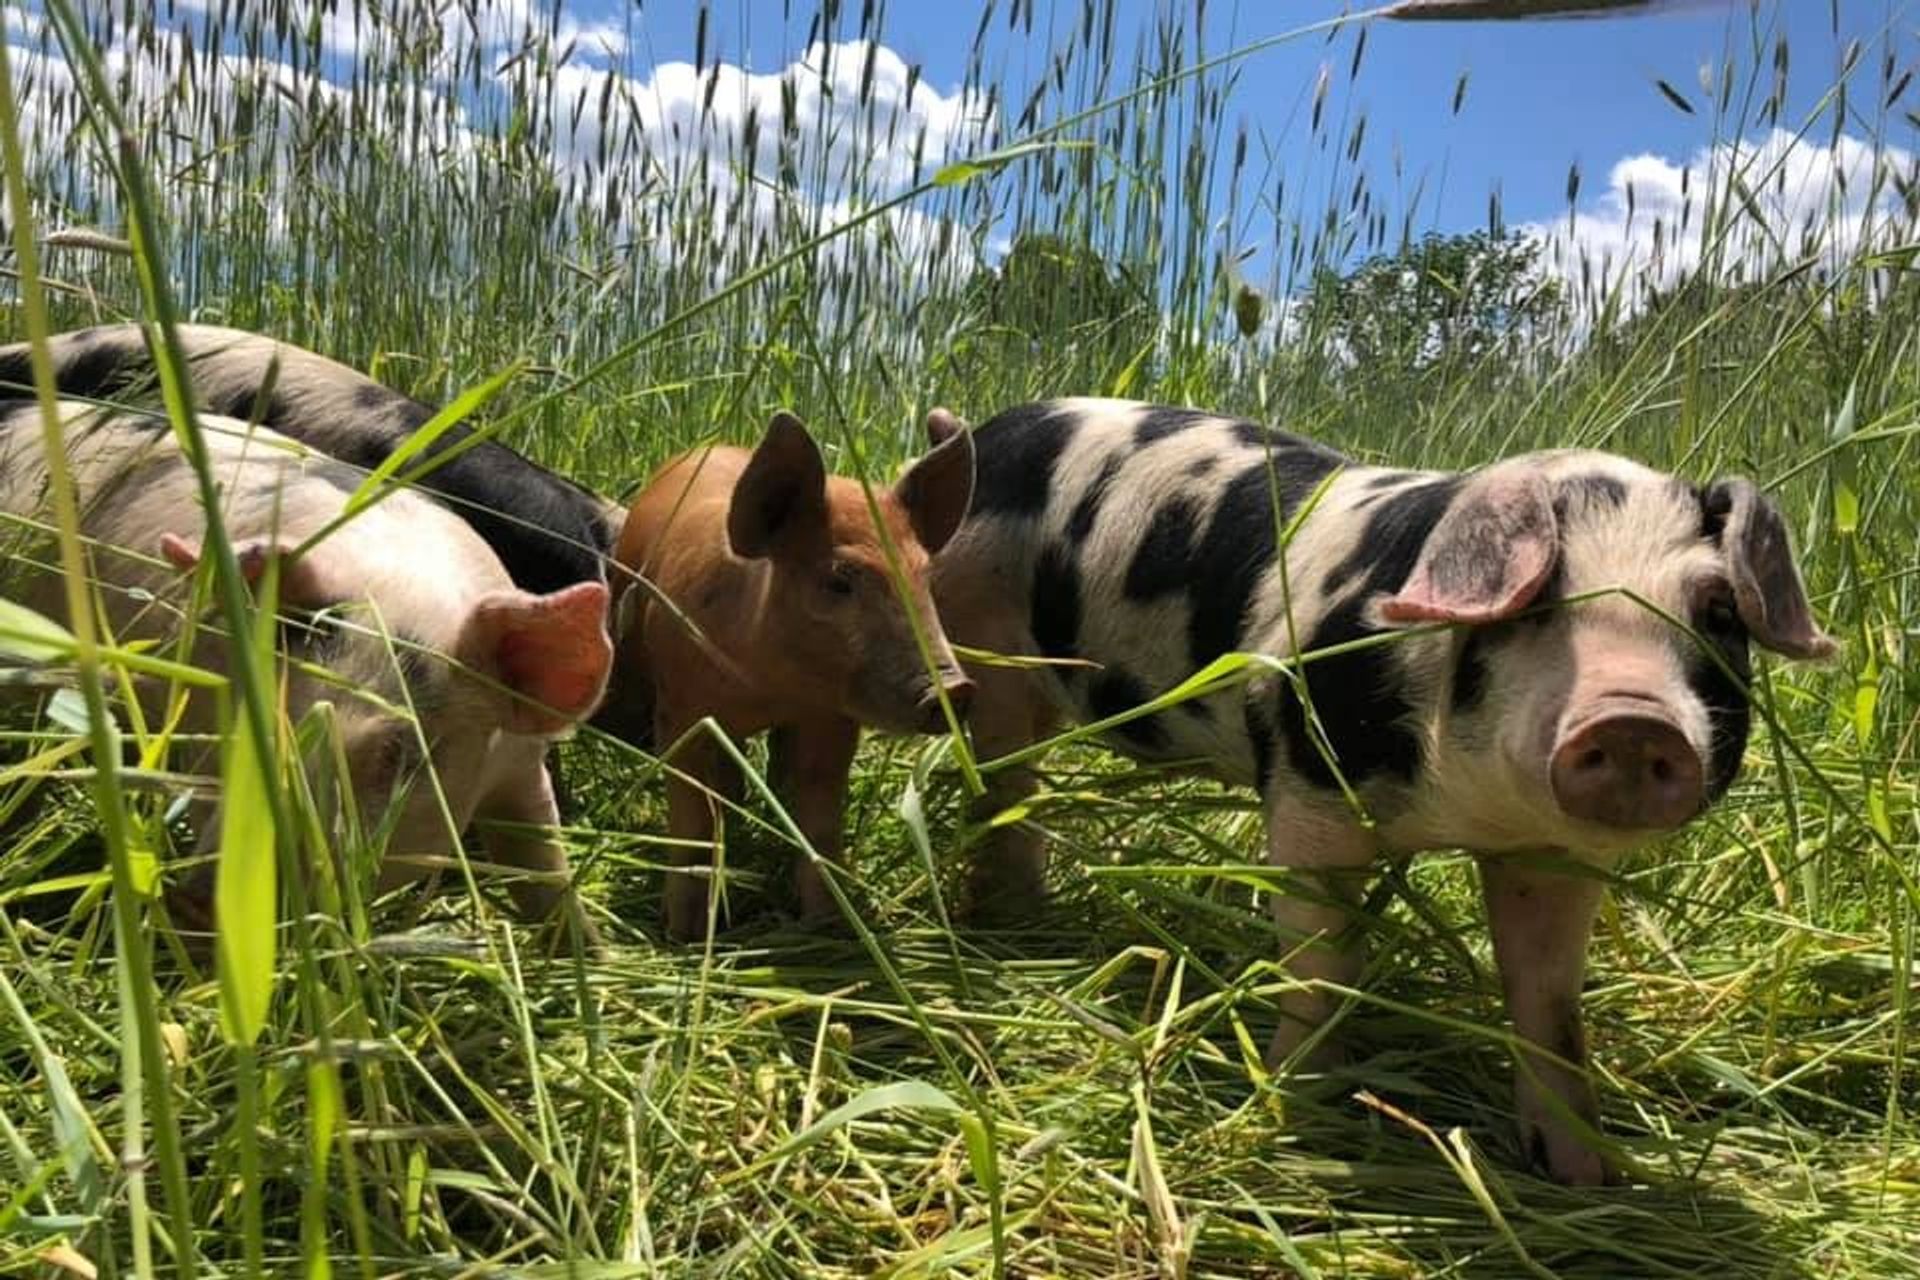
x=1739, y=210
x=803, y=149
x=492, y=26
x=844, y=117
x=795, y=150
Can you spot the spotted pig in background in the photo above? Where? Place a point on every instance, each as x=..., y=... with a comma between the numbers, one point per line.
x=549, y=532
x=401, y=607
x=1545, y=734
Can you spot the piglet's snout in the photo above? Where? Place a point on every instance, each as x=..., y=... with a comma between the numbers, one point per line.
x=959, y=691
x=1627, y=766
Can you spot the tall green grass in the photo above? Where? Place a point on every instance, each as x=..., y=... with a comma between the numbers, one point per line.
x=426, y=1095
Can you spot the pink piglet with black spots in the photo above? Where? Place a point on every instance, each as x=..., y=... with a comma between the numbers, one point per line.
x=1500, y=671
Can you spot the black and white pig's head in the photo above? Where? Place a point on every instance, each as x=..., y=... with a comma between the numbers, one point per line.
x=1596, y=696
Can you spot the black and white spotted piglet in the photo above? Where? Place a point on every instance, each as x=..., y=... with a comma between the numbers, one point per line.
x=1142, y=541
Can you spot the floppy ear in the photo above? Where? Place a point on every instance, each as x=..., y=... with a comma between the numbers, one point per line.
x=782, y=493
x=551, y=651
x=1488, y=555
x=1767, y=591
x=304, y=580
x=937, y=490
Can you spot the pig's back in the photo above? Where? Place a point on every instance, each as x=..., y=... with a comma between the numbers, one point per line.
x=134, y=485
x=1144, y=539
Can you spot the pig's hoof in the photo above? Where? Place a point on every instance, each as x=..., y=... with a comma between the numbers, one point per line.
x=1567, y=1160
x=686, y=905
x=1328, y=1051
x=825, y=919
x=190, y=911
x=990, y=904
x=570, y=929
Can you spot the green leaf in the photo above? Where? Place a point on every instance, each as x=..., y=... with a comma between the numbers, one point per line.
x=246, y=892
x=413, y=1193
x=964, y=171
x=30, y=636
x=959, y=173
x=1846, y=488
x=323, y=1116
x=905, y=1095
x=463, y=406
x=980, y=1153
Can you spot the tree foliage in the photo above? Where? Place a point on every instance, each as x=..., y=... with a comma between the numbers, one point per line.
x=1051, y=294
x=1446, y=298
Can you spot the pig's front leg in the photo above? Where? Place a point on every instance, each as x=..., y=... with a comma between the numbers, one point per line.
x=516, y=821
x=1540, y=922
x=809, y=766
x=1329, y=856
x=702, y=778
x=1007, y=876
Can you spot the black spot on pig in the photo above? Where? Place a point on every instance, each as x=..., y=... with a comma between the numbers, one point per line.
x=1390, y=544
x=1055, y=613
x=283, y=413
x=1087, y=509
x=90, y=364
x=1241, y=542
x=1716, y=504
x=1113, y=692
x=1260, y=734
x=397, y=416
x=1594, y=491
x=1729, y=714
x=548, y=532
x=1157, y=422
x=1202, y=466
x=1360, y=696
x=16, y=374
x=1163, y=562
x=1361, y=703
x=1015, y=453
x=1254, y=435
x=1470, y=670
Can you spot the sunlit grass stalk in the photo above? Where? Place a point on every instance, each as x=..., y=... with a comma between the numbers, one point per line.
x=145, y=1081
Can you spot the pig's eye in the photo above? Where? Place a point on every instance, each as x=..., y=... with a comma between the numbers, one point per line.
x=1720, y=617
x=841, y=581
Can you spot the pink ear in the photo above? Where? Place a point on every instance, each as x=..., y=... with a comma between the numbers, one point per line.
x=551, y=651
x=302, y=581
x=1487, y=557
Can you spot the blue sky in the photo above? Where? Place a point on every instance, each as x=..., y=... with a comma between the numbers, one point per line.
x=1541, y=95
